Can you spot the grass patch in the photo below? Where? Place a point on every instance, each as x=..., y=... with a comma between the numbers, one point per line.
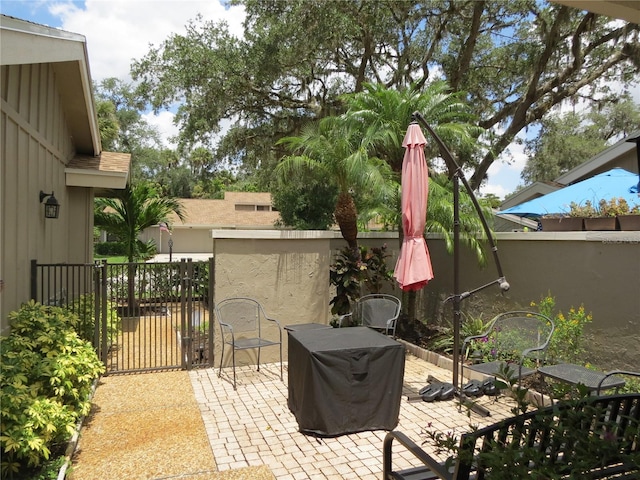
x=111, y=259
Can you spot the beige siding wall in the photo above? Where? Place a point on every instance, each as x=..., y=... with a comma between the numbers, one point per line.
x=35, y=147
x=185, y=240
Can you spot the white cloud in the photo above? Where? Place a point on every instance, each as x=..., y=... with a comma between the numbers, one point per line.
x=119, y=31
x=504, y=173
x=163, y=121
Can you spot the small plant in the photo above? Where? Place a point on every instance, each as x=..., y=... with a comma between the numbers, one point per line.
x=604, y=208
x=46, y=378
x=613, y=207
x=84, y=308
x=586, y=211
x=376, y=274
x=566, y=341
x=354, y=269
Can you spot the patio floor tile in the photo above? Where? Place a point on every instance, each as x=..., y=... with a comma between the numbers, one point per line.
x=253, y=425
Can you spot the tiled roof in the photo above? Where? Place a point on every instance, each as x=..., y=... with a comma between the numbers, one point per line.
x=223, y=213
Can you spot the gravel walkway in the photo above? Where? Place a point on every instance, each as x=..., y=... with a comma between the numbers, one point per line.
x=148, y=426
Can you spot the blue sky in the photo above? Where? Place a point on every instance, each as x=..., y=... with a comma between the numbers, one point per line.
x=118, y=31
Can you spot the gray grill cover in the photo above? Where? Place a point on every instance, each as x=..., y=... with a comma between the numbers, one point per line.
x=344, y=380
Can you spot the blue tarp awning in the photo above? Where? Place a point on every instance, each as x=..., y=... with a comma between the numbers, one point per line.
x=616, y=183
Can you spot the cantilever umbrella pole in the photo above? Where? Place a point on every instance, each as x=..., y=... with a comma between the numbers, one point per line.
x=456, y=173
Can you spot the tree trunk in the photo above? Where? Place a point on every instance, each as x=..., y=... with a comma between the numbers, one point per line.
x=347, y=217
x=132, y=304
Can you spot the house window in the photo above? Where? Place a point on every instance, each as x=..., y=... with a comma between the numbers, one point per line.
x=245, y=208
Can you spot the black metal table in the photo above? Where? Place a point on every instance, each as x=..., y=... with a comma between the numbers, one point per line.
x=577, y=374
x=344, y=380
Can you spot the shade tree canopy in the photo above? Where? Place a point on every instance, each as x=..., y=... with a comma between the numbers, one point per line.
x=515, y=60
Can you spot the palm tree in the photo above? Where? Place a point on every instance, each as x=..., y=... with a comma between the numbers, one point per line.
x=125, y=214
x=337, y=152
x=384, y=115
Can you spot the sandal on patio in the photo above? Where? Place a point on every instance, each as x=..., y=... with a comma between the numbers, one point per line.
x=473, y=388
x=489, y=387
x=446, y=391
x=425, y=389
x=431, y=391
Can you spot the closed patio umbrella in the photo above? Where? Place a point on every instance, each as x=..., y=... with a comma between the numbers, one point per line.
x=413, y=268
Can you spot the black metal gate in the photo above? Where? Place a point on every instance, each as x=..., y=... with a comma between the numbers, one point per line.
x=139, y=316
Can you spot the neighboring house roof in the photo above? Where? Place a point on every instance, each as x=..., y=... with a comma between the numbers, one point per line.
x=242, y=210
x=622, y=154
x=535, y=190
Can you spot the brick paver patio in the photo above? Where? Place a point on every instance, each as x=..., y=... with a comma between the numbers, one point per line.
x=253, y=425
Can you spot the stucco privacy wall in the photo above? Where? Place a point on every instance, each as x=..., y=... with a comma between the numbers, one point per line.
x=598, y=269
x=286, y=271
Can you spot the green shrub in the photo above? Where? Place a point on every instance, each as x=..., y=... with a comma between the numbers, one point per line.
x=84, y=308
x=46, y=375
x=354, y=269
x=110, y=249
x=566, y=341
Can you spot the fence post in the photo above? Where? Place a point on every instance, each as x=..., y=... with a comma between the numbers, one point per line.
x=183, y=312
x=103, y=315
x=97, y=302
x=210, y=307
x=34, y=279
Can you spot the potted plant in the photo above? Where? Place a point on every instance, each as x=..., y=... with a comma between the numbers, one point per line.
x=597, y=217
x=604, y=215
x=629, y=220
x=562, y=223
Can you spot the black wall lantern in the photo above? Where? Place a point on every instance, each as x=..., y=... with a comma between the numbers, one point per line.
x=51, y=206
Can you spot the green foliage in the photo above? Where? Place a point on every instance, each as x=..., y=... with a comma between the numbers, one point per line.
x=126, y=213
x=46, y=378
x=566, y=342
x=354, y=269
x=516, y=61
x=110, y=248
x=376, y=274
x=306, y=202
x=571, y=138
x=84, y=309
x=590, y=438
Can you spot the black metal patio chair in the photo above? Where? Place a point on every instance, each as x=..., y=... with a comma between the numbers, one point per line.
x=243, y=322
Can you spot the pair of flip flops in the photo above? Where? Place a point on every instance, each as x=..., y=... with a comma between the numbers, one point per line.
x=475, y=388
x=437, y=391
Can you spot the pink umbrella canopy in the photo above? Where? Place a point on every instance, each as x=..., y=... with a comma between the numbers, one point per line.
x=413, y=268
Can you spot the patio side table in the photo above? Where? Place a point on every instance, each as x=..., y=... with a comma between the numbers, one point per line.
x=577, y=374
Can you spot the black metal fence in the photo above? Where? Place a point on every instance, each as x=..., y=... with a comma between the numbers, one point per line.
x=139, y=316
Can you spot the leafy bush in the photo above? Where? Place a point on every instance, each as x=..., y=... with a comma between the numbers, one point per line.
x=110, y=248
x=354, y=269
x=46, y=378
x=566, y=341
x=84, y=308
